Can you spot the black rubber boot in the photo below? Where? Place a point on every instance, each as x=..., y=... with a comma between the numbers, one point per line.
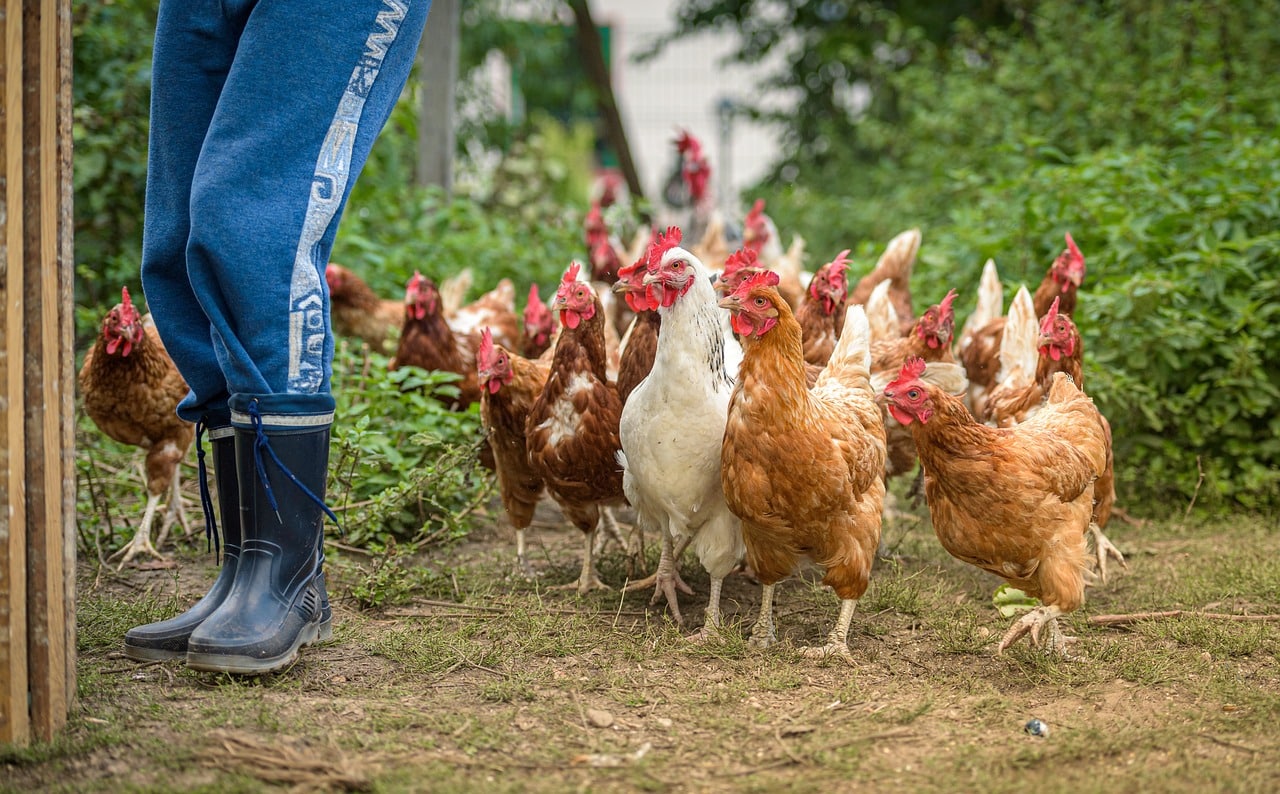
x=168, y=638
x=277, y=602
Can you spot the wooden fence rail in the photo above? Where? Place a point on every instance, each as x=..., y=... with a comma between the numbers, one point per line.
x=37, y=359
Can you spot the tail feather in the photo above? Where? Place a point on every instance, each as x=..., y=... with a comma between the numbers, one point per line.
x=899, y=256
x=881, y=315
x=1018, y=346
x=453, y=291
x=851, y=358
x=990, y=303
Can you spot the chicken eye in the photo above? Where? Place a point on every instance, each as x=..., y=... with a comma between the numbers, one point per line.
x=760, y=301
x=677, y=265
x=913, y=394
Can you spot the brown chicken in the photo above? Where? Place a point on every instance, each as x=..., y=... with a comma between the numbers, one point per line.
x=427, y=342
x=821, y=312
x=495, y=310
x=539, y=326
x=760, y=235
x=980, y=354
x=802, y=467
x=930, y=339
x=1053, y=346
x=572, y=429
x=895, y=266
x=356, y=311
x=509, y=386
x=1016, y=502
x=640, y=344
x=131, y=390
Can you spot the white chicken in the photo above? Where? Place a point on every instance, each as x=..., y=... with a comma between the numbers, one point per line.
x=673, y=424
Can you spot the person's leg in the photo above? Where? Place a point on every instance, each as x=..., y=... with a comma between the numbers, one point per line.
x=311, y=86
x=194, y=48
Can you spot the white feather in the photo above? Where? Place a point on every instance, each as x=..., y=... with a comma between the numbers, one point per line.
x=881, y=316
x=990, y=303
x=1018, y=346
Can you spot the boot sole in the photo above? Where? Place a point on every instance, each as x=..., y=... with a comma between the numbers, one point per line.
x=249, y=665
x=143, y=654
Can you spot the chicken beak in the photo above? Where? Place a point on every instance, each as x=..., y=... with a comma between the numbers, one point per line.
x=620, y=287
x=730, y=302
x=651, y=278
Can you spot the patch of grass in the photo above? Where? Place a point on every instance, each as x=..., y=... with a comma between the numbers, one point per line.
x=895, y=590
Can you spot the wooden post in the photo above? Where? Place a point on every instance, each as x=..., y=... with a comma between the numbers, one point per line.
x=37, y=507
x=438, y=72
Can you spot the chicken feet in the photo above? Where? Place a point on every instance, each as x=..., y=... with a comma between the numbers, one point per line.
x=666, y=580
x=612, y=531
x=838, y=639
x=711, y=619
x=588, y=580
x=764, y=633
x=141, y=543
x=1034, y=622
x=1103, y=548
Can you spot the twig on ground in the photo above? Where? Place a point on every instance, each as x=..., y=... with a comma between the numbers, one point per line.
x=1194, y=494
x=1226, y=743
x=1137, y=617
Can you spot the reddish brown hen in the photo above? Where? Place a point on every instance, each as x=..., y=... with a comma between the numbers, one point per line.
x=803, y=468
x=131, y=390
x=356, y=311
x=1016, y=502
x=821, y=311
x=572, y=428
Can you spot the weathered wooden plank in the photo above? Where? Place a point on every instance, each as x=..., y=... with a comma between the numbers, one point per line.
x=15, y=723
x=67, y=338
x=46, y=615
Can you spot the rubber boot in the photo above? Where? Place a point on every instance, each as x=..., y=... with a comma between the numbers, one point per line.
x=168, y=638
x=278, y=601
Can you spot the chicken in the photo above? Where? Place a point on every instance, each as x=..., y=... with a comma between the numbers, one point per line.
x=672, y=427
x=760, y=234
x=572, y=429
x=430, y=342
x=1030, y=354
x=509, y=386
x=539, y=326
x=131, y=390
x=602, y=251
x=427, y=341
x=895, y=266
x=930, y=339
x=640, y=344
x=803, y=467
x=695, y=173
x=1016, y=502
x=980, y=353
x=453, y=291
x=821, y=312
x=356, y=311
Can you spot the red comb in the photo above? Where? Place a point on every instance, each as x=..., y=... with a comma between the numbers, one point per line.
x=534, y=298
x=742, y=258
x=840, y=263
x=757, y=209
x=484, y=355
x=945, y=306
x=911, y=369
x=571, y=275
x=1046, y=325
x=1075, y=251
x=685, y=142
x=765, y=278
x=124, y=297
x=662, y=244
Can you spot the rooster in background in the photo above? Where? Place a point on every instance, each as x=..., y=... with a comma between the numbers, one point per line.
x=821, y=312
x=539, y=326
x=803, y=467
x=672, y=427
x=980, y=353
x=1016, y=502
x=602, y=251
x=509, y=387
x=572, y=429
x=131, y=390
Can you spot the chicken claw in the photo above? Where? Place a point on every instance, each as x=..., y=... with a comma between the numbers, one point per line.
x=1035, y=621
x=838, y=639
x=588, y=580
x=1104, y=548
x=763, y=633
x=141, y=543
x=666, y=580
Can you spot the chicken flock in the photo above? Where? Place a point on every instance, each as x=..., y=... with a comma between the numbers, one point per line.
x=747, y=410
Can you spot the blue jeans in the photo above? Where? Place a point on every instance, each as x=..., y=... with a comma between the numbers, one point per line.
x=262, y=115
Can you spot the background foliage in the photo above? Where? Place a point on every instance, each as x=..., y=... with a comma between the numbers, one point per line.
x=1146, y=129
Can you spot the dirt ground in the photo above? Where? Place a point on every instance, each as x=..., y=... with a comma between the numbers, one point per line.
x=482, y=680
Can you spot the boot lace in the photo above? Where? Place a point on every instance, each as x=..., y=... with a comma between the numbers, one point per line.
x=212, y=539
x=260, y=444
